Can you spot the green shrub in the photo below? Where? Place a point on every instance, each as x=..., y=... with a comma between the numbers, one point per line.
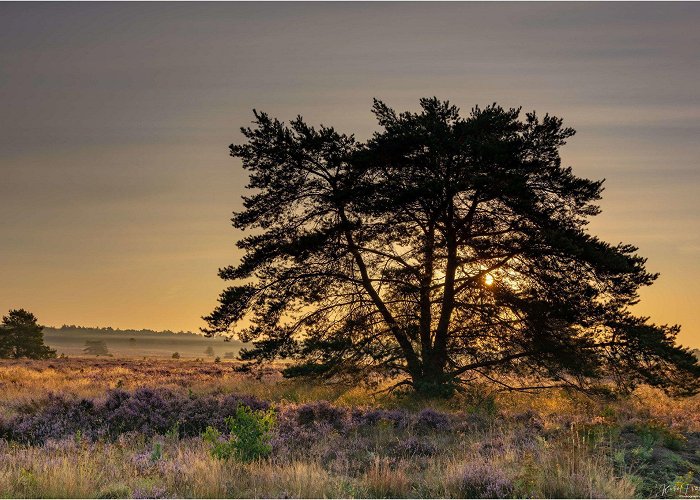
x=78, y=437
x=157, y=452
x=249, y=438
x=174, y=432
x=658, y=433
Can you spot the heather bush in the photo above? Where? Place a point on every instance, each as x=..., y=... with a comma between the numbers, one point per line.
x=200, y=412
x=148, y=411
x=145, y=411
x=292, y=438
x=60, y=417
x=372, y=416
x=471, y=422
x=430, y=420
x=143, y=462
x=483, y=480
x=152, y=492
x=413, y=446
x=342, y=438
x=323, y=412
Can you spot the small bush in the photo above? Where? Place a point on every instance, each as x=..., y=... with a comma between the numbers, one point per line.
x=249, y=438
x=658, y=433
x=176, y=355
x=484, y=480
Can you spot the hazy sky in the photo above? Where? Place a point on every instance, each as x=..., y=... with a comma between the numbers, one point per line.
x=115, y=183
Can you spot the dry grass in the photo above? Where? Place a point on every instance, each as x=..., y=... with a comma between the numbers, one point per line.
x=24, y=380
x=186, y=469
x=557, y=460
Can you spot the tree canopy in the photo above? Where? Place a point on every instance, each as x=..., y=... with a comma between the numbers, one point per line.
x=22, y=337
x=443, y=248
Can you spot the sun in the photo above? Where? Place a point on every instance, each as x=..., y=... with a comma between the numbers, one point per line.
x=488, y=280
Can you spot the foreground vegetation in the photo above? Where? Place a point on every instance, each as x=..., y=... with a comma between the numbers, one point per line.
x=133, y=428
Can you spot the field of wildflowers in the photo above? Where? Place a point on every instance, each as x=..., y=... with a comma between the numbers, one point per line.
x=113, y=428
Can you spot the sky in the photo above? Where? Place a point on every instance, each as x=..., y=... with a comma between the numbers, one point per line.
x=116, y=187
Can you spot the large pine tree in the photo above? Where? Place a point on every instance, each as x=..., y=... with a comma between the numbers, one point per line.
x=442, y=248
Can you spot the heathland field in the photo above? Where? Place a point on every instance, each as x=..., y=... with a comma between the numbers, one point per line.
x=105, y=427
x=78, y=341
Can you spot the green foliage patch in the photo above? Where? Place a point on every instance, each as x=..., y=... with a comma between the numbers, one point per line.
x=249, y=438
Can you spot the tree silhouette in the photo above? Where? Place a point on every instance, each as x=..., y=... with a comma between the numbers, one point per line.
x=96, y=348
x=443, y=248
x=22, y=337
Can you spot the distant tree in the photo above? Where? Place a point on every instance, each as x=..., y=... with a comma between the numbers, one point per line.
x=96, y=348
x=444, y=248
x=209, y=351
x=176, y=355
x=22, y=337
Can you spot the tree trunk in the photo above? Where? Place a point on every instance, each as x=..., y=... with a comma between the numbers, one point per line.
x=433, y=381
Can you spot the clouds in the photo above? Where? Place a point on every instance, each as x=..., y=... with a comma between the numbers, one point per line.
x=116, y=119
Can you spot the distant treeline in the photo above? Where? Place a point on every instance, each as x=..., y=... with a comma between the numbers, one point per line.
x=109, y=329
